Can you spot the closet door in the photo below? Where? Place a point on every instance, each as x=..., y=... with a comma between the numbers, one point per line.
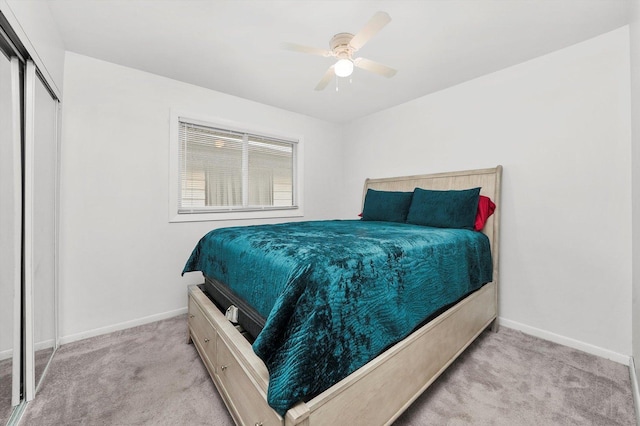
x=11, y=234
x=41, y=203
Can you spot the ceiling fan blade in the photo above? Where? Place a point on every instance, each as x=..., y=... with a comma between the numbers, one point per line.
x=375, y=24
x=306, y=49
x=326, y=78
x=374, y=67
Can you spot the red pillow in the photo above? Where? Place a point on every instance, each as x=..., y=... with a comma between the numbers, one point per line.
x=486, y=207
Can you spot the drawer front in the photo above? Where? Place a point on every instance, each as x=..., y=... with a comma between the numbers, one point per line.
x=202, y=332
x=249, y=403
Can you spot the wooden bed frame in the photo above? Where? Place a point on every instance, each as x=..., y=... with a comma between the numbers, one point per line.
x=382, y=389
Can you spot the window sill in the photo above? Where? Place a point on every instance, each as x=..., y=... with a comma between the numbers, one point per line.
x=237, y=215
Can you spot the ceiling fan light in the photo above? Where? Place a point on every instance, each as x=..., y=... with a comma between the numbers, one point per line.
x=343, y=68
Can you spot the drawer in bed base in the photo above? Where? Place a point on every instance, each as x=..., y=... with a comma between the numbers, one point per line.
x=201, y=332
x=240, y=377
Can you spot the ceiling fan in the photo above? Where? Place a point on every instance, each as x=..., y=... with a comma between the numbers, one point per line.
x=343, y=46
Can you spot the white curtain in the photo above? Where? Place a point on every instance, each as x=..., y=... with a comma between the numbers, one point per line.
x=222, y=189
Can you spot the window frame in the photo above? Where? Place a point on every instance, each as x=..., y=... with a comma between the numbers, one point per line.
x=175, y=215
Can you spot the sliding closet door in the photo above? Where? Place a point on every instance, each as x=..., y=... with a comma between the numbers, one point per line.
x=41, y=195
x=11, y=235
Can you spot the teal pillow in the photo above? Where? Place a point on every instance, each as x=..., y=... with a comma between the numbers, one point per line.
x=444, y=209
x=387, y=206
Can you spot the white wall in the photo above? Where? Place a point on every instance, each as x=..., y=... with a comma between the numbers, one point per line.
x=560, y=126
x=120, y=258
x=33, y=23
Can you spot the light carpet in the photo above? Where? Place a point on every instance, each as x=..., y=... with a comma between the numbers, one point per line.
x=5, y=391
x=149, y=375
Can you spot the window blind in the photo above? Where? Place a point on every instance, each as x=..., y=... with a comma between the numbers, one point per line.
x=226, y=170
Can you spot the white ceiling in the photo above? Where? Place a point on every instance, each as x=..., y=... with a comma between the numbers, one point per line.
x=235, y=46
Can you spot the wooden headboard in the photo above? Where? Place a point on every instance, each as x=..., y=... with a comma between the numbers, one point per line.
x=489, y=180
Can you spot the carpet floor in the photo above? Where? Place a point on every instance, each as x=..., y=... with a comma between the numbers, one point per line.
x=149, y=375
x=5, y=391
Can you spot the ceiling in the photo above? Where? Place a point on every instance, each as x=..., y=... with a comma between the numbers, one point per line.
x=235, y=46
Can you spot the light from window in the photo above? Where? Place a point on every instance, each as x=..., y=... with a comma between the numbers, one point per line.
x=225, y=170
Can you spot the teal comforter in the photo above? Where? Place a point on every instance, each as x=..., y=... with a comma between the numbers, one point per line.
x=335, y=294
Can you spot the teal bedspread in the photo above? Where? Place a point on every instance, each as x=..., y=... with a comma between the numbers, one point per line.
x=337, y=293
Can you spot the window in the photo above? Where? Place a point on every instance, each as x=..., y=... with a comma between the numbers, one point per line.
x=224, y=169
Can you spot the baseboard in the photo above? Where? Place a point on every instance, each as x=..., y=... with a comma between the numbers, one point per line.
x=634, y=388
x=566, y=341
x=6, y=354
x=38, y=346
x=121, y=326
x=45, y=344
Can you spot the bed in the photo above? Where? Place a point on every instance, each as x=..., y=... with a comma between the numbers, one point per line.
x=379, y=385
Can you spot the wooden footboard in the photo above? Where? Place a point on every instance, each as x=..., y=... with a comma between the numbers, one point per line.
x=377, y=393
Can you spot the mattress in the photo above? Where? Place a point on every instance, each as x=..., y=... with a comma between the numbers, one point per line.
x=249, y=320
x=335, y=294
